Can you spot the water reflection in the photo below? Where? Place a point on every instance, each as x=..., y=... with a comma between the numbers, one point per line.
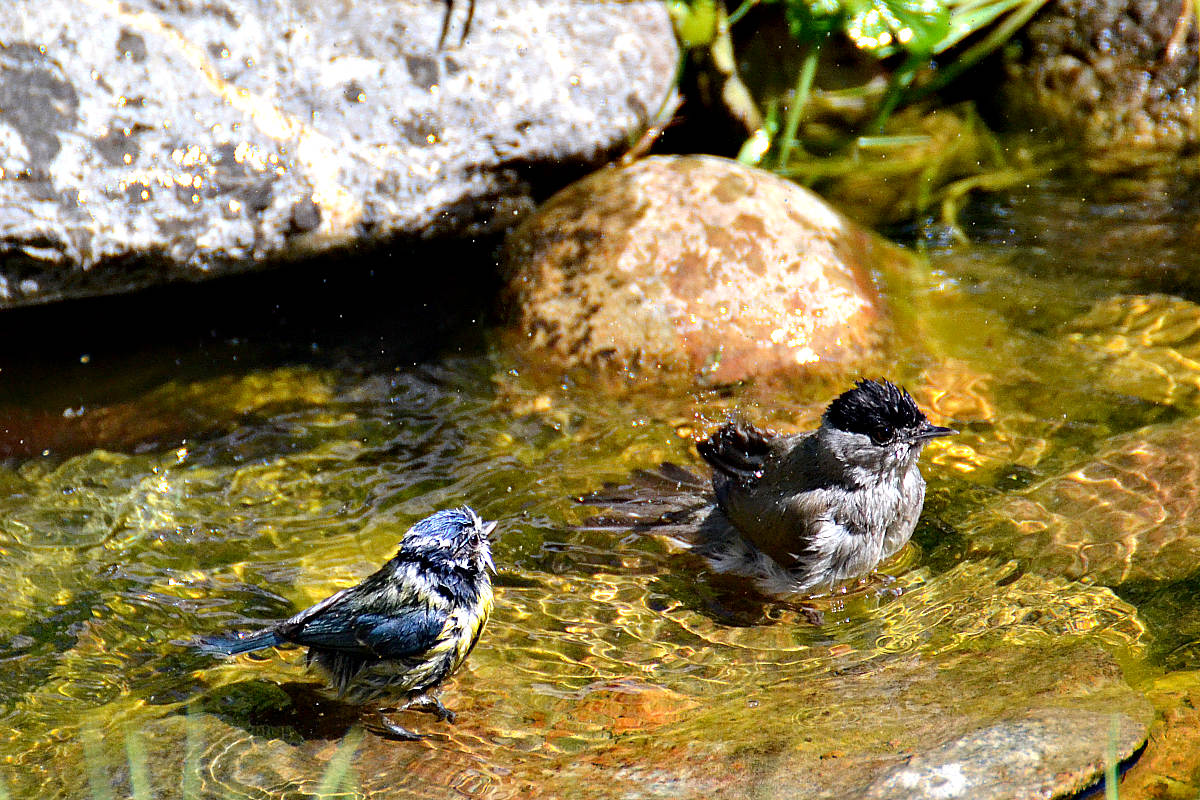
x=613, y=664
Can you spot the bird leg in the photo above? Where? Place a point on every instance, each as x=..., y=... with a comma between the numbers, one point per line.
x=427, y=703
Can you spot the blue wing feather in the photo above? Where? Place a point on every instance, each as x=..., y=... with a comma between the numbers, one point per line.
x=339, y=623
x=397, y=637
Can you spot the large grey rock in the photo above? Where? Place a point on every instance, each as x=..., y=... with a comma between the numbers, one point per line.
x=149, y=141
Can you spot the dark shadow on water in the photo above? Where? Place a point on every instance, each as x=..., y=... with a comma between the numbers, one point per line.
x=734, y=601
x=1168, y=609
x=79, y=375
x=1137, y=235
x=294, y=712
x=369, y=309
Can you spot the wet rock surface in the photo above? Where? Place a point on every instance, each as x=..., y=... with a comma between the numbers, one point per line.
x=1169, y=769
x=1036, y=756
x=697, y=264
x=147, y=142
x=941, y=738
x=1117, y=78
x=1126, y=514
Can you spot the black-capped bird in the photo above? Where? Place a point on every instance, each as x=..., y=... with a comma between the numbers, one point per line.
x=404, y=629
x=796, y=512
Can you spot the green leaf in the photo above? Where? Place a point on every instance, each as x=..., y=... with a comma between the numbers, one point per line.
x=810, y=21
x=695, y=22
x=884, y=27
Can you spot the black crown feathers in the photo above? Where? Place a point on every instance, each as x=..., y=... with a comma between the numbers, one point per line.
x=878, y=409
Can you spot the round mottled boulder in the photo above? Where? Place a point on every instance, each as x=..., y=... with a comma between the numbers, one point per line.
x=1116, y=78
x=1129, y=513
x=699, y=264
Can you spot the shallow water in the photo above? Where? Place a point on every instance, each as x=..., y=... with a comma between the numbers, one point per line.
x=167, y=477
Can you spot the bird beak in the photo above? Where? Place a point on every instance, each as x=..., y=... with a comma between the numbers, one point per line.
x=485, y=532
x=928, y=431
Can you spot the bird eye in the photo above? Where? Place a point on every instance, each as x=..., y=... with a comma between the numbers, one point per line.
x=882, y=434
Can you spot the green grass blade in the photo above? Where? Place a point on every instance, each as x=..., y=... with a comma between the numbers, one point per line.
x=190, y=782
x=93, y=756
x=333, y=780
x=799, y=101
x=978, y=51
x=1110, y=766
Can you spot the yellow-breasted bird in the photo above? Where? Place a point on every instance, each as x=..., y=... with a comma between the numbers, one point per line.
x=404, y=629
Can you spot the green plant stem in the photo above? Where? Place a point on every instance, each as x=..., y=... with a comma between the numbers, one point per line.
x=799, y=100
x=976, y=52
x=901, y=79
x=741, y=10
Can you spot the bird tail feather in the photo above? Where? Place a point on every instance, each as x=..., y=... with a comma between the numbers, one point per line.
x=677, y=504
x=232, y=644
x=666, y=500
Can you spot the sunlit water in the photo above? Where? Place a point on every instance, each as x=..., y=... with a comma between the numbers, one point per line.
x=267, y=476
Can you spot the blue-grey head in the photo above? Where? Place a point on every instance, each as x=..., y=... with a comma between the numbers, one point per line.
x=456, y=537
x=877, y=425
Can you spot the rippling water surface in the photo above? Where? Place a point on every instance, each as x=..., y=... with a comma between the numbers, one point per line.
x=158, y=486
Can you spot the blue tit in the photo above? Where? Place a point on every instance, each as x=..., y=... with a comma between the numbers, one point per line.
x=401, y=631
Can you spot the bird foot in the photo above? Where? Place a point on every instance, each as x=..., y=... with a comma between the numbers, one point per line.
x=424, y=702
x=431, y=705
x=886, y=584
x=812, y=614
x=390, y=730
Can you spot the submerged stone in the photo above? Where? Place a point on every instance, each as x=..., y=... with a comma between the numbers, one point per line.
x=1143, y=345
x=1128, y=513
x=697, y=264
x=1006, y=723
x=998, y=682
x=171, y=414
x=610, y=667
